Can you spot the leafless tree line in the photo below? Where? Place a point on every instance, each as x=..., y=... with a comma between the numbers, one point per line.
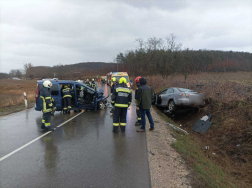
x=156, y=56
x=166, y=57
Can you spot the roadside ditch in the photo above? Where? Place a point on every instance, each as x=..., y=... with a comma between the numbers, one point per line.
x=221, y=157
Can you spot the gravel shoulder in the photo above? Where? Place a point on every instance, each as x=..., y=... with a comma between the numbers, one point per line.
x=167, y=168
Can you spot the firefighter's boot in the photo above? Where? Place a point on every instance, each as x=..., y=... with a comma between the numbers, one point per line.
x=138, y=123
x=122, y=129
x=49, y=128
x=43, y=126
x=115, y=129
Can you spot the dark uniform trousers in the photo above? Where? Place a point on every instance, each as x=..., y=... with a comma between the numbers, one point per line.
x=46, y=119
x=67, y=99
x=119, y=118
x=138, y=116
x=67, y=103
x=138, y=112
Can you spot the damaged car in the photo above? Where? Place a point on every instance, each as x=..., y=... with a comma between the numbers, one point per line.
x=175, y=98
x=83, y=96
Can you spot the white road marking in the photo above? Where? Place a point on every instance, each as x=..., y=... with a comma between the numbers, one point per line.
x=22, y=147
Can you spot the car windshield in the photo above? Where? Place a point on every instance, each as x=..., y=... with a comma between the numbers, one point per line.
x=118, y=77
x=184, y=90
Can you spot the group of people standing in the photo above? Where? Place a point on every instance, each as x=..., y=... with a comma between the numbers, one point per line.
x=121, y=97
x=90, y=84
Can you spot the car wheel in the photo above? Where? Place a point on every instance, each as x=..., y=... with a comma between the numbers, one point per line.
x=100, y=105
x=171, y=106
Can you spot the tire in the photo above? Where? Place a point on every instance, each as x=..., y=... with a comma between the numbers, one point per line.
x=171, y=106
x=100, y=105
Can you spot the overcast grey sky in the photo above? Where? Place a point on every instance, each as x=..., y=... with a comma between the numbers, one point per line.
x=51, y=32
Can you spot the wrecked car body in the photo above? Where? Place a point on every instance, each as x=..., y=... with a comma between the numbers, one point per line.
x=179, y=98
x=83, y=96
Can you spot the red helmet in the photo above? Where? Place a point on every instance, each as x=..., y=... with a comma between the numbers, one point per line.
x=137, y=79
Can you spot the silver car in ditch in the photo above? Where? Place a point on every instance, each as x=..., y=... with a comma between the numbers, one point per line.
x=176, y=98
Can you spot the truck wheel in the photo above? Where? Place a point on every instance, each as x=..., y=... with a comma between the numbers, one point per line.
x=171, y=106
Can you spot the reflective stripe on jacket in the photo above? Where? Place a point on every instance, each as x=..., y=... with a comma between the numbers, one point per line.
x=121, y=96
x=88, y=84
x=66, y=92
x=45, y=95
x=93, y=85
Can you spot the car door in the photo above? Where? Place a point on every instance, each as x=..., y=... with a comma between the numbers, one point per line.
x=87, y=97
x=56, y=95
x=160, y=96
x=167, y=96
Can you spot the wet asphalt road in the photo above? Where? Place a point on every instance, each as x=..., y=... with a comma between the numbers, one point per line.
x=84, y=152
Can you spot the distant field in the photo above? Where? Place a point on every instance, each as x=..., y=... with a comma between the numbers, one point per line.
x=12, y=92
x=224, y=87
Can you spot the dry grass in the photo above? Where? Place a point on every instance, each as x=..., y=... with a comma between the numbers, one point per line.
x=12, y=92
x=229, y=99
x=223, y=87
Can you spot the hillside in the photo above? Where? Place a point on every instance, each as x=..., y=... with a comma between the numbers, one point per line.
x=84, y=65
x=73, y=71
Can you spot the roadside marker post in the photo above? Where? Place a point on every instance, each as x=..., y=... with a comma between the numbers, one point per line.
x=25, y=99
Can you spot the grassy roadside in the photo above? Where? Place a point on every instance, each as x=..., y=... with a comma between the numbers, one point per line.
x=204, y=172
x=228, y=161
x=12, y=95
x=15, y=108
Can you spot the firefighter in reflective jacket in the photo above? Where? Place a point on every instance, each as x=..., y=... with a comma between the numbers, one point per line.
x=138, y=122
x=122, y=99
x=114, y=85
x=87, y=83
x=67, y=97
x=45, y=95
x=93, y=84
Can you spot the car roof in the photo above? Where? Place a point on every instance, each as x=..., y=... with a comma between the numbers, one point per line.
x=64, y=82
x=59, y=81
x=178, y=88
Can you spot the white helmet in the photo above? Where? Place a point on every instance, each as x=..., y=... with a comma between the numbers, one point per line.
x=87, y=80
x=47, y=84
x=92, y=79
x=78, y=81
